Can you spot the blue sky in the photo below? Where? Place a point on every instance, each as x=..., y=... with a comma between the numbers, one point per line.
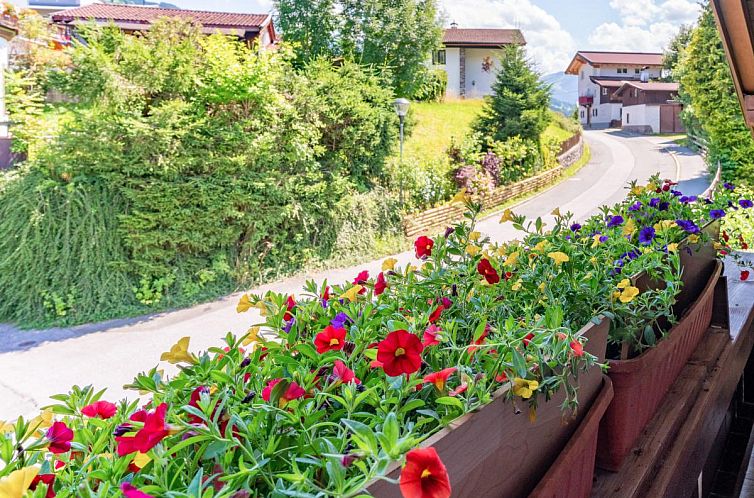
x=554, y=29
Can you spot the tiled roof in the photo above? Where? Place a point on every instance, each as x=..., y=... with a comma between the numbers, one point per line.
x=482, y=37
x=146, y=15
x=623, y=58
x=652, y=86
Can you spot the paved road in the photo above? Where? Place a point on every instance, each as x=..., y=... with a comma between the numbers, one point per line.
x=37, y=364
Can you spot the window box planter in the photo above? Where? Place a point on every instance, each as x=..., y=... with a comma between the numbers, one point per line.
x=498, y=451
x=641, y=383
x=572, y=473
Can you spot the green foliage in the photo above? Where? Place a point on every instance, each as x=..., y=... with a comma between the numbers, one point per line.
x=423, y=183
x=432, y=86
x=310, y=25
x=25, y=104
x=707, y=88
x=520, y=102
x=61, y=257
x=675, y=50
x=395, y=36
x=220, y=167
x=519, y=158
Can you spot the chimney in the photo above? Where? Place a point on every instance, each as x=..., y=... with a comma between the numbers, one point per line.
x=645, y=74
x=454, y=25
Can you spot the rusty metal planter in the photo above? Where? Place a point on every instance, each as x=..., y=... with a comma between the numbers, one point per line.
x=640, y=384
x=498, y=452
x=572, y=473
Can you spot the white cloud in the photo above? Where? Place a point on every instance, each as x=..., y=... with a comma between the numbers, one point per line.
x=645, y=25
x=547, y=42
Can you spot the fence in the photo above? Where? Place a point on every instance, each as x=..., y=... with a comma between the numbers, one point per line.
x=441, y=216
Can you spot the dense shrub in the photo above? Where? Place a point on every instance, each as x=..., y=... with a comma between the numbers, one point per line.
x=220, y=166
x=432, y=85
x=423, y=183
x=519, y=159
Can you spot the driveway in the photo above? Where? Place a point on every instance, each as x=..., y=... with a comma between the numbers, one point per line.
x=37, y=364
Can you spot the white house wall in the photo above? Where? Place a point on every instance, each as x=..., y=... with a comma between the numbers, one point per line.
x=478, y=81
x=453, y=68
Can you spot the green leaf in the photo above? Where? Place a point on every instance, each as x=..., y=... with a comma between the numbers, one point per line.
x=450, y=401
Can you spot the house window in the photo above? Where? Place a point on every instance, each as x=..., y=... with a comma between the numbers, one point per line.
x=583, y=73
x=594, y=112
x=628, y=118
x=604, y=91
x=636, y=93
x=582, y=114
x=622, y=70
x=637, y=71
x=438, y=57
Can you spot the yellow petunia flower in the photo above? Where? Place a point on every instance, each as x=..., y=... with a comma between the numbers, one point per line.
x=693, y=238
x=352, y=293
x=16, y=484
x=141, y=459
x=540, y=247
x=542, y=287
x=559, y=257
x=593, y=260
x=628, y=294
x=262, y=307
x=472, y=250
x=43, y=420
x=252, y=335
x=474, y=236
x=461, y=196
x=596, y=240
x=179, y=353
x=517, y=285
x=672, y=247
x=524, y=388
x=629, y=228
x=624, y=283
x=507, y=216
x=389, y=264
x=651, y=187
x=244, y=304
x=501, y=251
x=556, y=212
x=511, y=260
x=637, y=190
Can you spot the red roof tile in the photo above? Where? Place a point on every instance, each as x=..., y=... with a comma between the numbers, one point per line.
x=482, y=37
x=147, y=15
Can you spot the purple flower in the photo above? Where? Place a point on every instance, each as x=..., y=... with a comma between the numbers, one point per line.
x=729, y=186
x=635, y=206
x=688, y=226
x=603, y=239
x=615, y=221
x=646, y=236
x=340, y=320
x=676, y=193
x=576, y=227
x=663, y=206
x=633, y=254
x=716, y=214
x=289, y=325
x=745, y=203
x=449, y=231
x=654, y=202
x=688, y=199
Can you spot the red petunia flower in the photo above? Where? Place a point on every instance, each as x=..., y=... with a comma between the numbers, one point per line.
x=294, y=391
x=196, y=395
x=423, y=246
x=131, y=492
x=745, y=275
x=485, y=269
x=508, y=275
x=528, y=338
x=424, y=475
x=400, y=353
x=326, y=294
x=447, y=302
x=380, y=285
x=502, y=377
x=430, y=336
x=459, y=390
x=330, y=339
x=439, y=379
x=343, y=374
x=47, y=479
x=577, y=348
x=482, y=338
x=435, y=315
x=101, y=409
x=361, y=278
x=60, y=437
x=290, y=303
x=726, y=237
x=155, y=430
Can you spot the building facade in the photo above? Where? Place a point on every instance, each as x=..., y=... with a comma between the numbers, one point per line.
x=601, y=74
x=471, y=59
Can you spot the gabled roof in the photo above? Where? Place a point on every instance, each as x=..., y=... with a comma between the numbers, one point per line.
x=135, y=17
x=615, y=58
x=652, y=86
x=482, y=38
x=735, y=20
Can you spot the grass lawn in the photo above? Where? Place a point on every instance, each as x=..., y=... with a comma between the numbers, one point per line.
x=556, y=131
x=436, y=123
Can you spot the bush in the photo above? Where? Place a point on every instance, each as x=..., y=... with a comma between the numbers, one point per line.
x=219, y=166
x=424, y=183
x=519, y=159
x=433, y=85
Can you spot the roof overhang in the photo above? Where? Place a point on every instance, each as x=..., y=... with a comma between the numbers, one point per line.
x=735, y=20
x=478, y=45
x=143, y=26
x=575, y=66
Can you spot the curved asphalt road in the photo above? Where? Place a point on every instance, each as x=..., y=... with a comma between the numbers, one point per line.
x=37, y=364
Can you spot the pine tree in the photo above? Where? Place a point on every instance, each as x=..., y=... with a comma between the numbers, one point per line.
x=520, y=101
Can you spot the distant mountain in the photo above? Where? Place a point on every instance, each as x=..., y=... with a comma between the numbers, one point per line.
x=565, y=91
